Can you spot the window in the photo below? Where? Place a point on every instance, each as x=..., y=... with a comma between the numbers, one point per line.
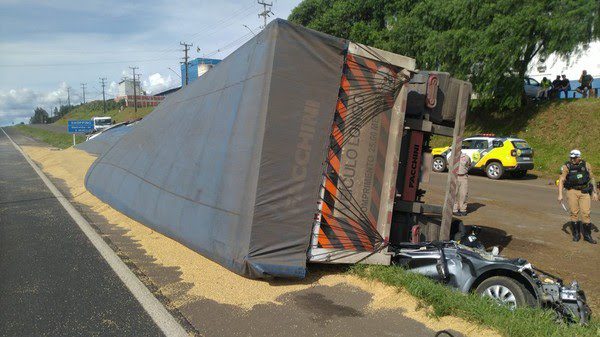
x=519, y=144
x=497, y=143
x=480, y=144
x=467, y=144
x=534, y=82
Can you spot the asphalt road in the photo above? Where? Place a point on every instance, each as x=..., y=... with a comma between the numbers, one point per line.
x=52, y=279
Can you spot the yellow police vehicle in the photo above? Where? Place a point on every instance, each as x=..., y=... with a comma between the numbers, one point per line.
x=496, y=156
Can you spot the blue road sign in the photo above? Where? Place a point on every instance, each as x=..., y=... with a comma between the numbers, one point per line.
x=80, y=126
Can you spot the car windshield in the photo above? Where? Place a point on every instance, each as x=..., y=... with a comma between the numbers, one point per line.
x=520, y=144
x=102, y=121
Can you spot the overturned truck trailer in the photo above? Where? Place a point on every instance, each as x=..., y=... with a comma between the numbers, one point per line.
x=287, y=151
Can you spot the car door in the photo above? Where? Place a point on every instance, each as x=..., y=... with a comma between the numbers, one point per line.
x=480, y=147
x=468, y=147
x=531, y=87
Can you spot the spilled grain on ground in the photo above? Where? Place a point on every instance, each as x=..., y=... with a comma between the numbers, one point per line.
x=211, y=281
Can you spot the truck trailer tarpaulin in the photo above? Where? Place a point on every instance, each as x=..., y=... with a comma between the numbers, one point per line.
x=286, y=151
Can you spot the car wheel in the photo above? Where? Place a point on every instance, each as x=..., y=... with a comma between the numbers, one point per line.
x=439, y=164
x=519, y=174
x=505, y=291
x=494, y=170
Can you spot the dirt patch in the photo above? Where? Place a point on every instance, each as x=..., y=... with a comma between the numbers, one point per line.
x=193, y=278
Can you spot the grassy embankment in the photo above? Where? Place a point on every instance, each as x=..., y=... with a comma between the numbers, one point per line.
x=83, y=111
x=552, y=129
x=443, y=301
x=93, y=109
x=57, y=139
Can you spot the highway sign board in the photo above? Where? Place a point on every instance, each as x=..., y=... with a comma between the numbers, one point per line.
x=80, y=126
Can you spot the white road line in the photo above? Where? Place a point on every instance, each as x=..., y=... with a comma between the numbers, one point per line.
x=159, y=314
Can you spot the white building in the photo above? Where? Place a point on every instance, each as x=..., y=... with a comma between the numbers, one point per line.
x=588, y=59
x=126, y=88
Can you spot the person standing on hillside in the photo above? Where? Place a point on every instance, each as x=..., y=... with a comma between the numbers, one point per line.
x=586, y=84
x=462, y=185
x=577, y=177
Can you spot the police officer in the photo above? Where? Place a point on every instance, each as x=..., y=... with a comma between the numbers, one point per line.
x=462, y=185
x=578, y=179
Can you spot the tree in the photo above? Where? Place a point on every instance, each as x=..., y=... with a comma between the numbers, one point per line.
x=489, y=42
x=40, y=116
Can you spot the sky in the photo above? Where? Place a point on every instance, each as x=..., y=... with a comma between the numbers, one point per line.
x=47, y=47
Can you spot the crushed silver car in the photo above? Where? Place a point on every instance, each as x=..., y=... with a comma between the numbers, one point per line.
x=512, y=282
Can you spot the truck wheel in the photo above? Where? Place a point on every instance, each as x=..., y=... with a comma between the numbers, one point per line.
x=505, y=291
x=494, y=170
x=439, y=164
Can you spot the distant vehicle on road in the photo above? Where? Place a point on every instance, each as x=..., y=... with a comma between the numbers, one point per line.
x=101, y=123
x=494, y=155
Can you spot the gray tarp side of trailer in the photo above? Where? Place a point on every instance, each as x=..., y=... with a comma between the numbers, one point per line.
x=231, y=165
x=104, y=141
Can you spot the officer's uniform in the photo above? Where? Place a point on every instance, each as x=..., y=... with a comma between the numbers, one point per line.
x=577, y=180
x=462, y=184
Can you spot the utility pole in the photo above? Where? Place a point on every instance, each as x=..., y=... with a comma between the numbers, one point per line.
x=102, y=79
x=266, y=12
x=134, y=90
x=69, y=96
x=138, y=82
x=186, y=48
x=83, y=91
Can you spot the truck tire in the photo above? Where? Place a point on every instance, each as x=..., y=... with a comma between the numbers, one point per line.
x=439, y=164
x=494, y=170
x=506, y=291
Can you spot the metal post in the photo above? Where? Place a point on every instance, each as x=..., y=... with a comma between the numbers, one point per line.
x=102, y=79
x=457, y=137
x=392, y=158
x=134, y=90
x=73, y=139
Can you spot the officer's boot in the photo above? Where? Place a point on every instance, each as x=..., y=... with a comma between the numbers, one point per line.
x=575, y=230
x=587, y=233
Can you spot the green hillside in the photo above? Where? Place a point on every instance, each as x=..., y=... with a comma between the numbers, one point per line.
x=95, y=109
x=552, y=129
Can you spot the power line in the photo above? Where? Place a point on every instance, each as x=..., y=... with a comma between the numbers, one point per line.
x=102, y=79
x=82, y=63
x=230, y=44
x=210, y=28
x=266, y=12
x=186, y=48
x=83, y=91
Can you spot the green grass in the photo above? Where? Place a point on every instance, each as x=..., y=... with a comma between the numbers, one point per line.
x=56, y=139
x=87, y=111
x=552, y=129
x=444, y=301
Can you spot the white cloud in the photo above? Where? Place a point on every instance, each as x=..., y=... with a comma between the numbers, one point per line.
x=156, y=83
x=17, y=105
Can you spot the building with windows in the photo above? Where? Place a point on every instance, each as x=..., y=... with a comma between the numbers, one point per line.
x=126, y=88
x=126, y=93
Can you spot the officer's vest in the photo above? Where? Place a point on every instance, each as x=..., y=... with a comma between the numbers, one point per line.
x=578, y=176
